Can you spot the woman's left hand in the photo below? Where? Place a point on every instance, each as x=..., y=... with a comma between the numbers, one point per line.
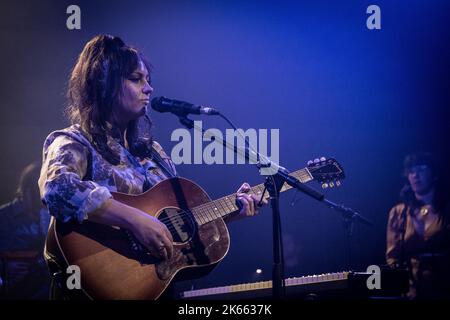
x=249, y=203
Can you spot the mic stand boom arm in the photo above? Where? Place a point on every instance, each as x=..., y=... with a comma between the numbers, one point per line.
x=273, y=184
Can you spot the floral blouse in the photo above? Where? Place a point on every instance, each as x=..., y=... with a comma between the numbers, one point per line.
x=76, y=180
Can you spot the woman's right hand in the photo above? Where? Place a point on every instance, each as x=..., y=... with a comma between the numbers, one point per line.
x=148, y=230
x=154, y=235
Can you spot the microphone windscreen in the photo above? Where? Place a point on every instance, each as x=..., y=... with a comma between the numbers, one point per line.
x=157, y=105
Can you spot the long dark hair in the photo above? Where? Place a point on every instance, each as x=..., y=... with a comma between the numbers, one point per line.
x=95, y=86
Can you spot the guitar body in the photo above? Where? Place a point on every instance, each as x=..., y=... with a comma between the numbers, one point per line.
x=114, y=266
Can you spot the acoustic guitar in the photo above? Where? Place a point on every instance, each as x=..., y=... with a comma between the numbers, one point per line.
x=114, y=265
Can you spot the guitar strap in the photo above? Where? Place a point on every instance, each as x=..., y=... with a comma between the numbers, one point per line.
x=169, y=172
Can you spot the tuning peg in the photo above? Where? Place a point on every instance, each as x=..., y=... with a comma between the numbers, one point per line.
x=310, y=162
x=324, y=185
x=323, y=159
x=317, y=160
x=338, y=183
x=331, y=184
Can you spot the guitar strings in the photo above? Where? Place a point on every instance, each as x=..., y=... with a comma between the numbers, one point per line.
x=202, y=211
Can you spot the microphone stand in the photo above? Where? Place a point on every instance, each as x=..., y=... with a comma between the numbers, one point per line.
x=273, y=185
x=349, y=217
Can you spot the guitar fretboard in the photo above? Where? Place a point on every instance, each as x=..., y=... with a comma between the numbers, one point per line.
x=226, y=206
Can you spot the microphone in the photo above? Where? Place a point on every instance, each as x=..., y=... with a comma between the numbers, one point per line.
x=180, y=108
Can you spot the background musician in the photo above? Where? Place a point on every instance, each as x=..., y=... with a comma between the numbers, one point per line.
x=418, y=231
x=23, y=227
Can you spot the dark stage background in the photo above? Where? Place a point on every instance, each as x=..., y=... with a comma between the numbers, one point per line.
x=310, y=68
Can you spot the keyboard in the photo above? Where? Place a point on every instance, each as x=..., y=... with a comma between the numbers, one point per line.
x=346, y=284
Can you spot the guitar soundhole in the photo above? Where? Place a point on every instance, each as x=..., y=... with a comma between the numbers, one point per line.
x=180, y=223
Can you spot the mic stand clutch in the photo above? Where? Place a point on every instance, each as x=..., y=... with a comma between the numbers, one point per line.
x=273, y=184
x=349, y=217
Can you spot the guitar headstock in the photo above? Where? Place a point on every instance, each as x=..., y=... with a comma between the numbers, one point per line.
x=328, y=172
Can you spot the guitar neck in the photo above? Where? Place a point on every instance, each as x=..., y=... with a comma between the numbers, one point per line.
x=226, y=206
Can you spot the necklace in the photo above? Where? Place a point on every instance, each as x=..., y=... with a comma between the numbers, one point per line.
x=424, y=210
